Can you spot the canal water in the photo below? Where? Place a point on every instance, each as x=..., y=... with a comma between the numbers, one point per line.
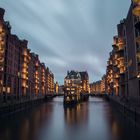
x=92, y=120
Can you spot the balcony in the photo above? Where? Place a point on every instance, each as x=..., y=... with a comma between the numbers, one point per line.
x=122, y=70
x=116, y=62
x=36, y=77
x=36, y=81
x=120, y=55
x=1, y=38
x=115, y=47
x=24, y=84
x=24, y=53
x=116, y=76
x=1, y=50
x=136, y=9
x=2, y=32
x=2, y=43
x=110, y=62
x=24, y=65
x=43, y=74
x=1, y=59
x=25, y=59
x=36, y=73
x=121, y=48
x=136, y=1
x=120, y=42
x=138, y=40
x=43, y=79
x=24, y=70
x=36, y=86
x=121, y=62
x=1, y=28
x=24, y=76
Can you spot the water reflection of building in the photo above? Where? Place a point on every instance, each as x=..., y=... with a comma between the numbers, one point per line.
x=77, y=115
x=31, y=125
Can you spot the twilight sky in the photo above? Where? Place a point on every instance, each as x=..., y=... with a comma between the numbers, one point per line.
x=68, y=34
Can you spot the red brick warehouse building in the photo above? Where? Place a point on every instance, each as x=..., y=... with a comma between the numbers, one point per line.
x=22, y=75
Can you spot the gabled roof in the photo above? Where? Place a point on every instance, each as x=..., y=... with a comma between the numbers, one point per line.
x=84, y=75
x=73, y=75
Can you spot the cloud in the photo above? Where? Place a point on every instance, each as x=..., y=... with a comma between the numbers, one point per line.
x=68, y=34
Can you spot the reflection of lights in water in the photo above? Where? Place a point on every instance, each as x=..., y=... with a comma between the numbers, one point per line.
x=68, y=115
x=48, y=123
x=76, y=115
x=78, y=107
x=115, y=129
x=25, y=130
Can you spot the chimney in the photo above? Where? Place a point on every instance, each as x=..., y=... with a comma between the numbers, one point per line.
x=2, y=11
x=67, y=72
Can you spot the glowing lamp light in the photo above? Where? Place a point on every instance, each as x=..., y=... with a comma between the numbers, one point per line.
x=138, y=76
